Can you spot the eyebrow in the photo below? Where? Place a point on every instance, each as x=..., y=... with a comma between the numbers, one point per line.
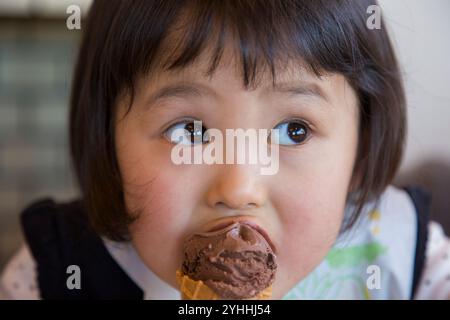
x=183, y=90
x=302, y=88
x=190, y=90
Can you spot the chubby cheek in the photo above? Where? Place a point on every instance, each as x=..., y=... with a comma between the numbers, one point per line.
x=310, y=207
x=160, y=200
x=311, y=224
x=155, y=233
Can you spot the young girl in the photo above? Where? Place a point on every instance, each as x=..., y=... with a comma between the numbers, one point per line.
x=311, y=69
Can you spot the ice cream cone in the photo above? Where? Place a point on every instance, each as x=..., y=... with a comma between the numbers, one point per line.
x=198, y=290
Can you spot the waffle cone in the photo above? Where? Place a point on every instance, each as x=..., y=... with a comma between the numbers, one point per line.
x=198, y=290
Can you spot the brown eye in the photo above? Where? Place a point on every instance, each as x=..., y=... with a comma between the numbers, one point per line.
x=186, y=132
x=196, y=134
x=297, y=131
x=291, y=132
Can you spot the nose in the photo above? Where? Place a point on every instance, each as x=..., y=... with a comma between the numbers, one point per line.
x=237, y=187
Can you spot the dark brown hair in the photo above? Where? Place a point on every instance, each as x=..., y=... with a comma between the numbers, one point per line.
x=126, y=39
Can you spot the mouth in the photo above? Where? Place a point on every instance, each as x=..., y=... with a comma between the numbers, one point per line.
x=246, y=221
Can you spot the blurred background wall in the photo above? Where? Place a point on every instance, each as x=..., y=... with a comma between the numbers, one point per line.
x=420, y=33
x=37, y=52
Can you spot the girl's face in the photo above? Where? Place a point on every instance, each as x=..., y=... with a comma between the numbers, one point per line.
x=300, y=207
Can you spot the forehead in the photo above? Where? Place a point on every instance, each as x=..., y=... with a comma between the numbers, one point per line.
x=289, y=79
x=229, y=69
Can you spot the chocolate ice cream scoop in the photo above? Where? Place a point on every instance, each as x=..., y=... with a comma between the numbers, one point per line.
x=236, y=262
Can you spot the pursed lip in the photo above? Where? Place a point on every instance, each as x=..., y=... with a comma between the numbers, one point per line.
x=223, y=223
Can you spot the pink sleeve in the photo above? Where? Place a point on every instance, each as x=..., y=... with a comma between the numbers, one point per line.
x=435, y=280
x=18, y=279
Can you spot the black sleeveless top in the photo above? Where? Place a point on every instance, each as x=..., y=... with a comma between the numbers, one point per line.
x=59, y=235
